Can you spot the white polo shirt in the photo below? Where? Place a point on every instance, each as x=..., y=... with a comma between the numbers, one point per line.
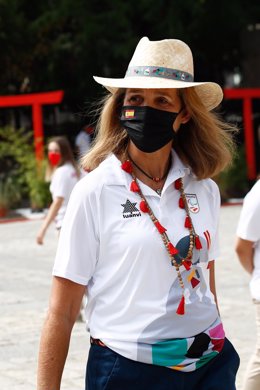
x=63, y=180
x=109, y=245
x=249, y=229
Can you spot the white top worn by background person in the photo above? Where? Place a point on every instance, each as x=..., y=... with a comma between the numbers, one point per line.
x=117, y=246
x=63, y=180
x=83, y=142
x=249, y=229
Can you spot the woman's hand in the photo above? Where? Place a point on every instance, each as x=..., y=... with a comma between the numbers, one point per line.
x=52, y=212
x=40, y=237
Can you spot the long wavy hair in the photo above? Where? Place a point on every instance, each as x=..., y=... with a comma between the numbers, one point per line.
x=205, y=143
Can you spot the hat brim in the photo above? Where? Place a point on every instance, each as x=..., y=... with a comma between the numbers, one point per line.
x=210, y=93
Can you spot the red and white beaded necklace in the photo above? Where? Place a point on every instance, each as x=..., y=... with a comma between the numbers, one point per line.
x=171, y=249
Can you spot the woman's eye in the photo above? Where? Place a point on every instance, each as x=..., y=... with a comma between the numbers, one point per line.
x=163, y=101
x=134, y=99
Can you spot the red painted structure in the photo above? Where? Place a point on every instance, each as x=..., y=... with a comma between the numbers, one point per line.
x=36, y=100
x=247, y=94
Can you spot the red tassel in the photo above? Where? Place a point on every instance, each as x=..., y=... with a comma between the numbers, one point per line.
x=197, y=243
x=181, y=307
x=134, y=186
x=187, y=264
x=127, y=166
x=160, y=228
x=177, y=184
x=187, y=223
x=172, y=249
x=143, y=206
x=181, y=203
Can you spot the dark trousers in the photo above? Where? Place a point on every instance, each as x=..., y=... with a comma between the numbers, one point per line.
x=107, y=370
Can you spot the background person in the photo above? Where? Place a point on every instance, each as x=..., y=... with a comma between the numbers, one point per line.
x=64, y=175
x=248, y=251
x=83, y=140
x=140, y=232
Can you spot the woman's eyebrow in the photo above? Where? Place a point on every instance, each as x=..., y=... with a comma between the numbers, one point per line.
x=163, y=93
x=134, y=90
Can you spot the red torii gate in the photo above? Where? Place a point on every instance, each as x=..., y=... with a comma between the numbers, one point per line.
x=36, y=100
x=247, y=94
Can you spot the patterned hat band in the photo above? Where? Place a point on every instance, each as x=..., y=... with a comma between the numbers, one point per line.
x=155, y=71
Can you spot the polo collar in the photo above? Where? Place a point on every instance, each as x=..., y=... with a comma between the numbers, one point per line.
x=177, y=170
x=115, y=175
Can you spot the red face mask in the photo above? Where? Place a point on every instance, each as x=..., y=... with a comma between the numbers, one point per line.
x=54, y=158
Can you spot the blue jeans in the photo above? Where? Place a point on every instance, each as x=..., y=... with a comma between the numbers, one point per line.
x=107, y=370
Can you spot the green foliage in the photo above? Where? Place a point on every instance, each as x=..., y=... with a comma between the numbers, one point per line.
x=9, y=192
x=4, y=196
x=62, y=43
x=233, y=181
x=27, y=172
x=4, y=199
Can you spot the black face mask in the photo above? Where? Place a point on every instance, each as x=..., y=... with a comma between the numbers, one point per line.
x=148, y=128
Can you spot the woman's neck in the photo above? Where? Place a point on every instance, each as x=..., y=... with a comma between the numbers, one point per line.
x=155, y=165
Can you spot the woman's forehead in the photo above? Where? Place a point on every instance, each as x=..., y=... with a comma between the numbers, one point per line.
x=154, y=91
x=53, y=146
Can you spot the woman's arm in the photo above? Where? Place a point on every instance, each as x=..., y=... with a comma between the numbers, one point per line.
x=212, y=281
x=52, y=212
x=65, y=301
x=245, y=252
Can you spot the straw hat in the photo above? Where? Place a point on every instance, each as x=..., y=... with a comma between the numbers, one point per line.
x=163, y=64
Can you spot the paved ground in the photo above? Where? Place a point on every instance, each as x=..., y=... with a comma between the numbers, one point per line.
x=25, y=270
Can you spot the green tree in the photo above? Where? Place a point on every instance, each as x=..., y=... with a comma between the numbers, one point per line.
x=62, y=43
x=26, y=172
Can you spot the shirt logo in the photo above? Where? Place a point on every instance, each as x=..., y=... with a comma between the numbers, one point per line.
x=130, y=210
x=193, y=203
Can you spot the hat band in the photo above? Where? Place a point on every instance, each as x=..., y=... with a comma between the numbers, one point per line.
x=155, y=71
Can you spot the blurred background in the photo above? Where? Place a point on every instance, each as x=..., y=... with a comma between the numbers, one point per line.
x=58, y=45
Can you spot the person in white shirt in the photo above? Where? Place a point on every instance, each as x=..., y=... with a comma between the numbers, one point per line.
x=248, y=251
x=64, y=175
x=140, y=234
x=83, y=140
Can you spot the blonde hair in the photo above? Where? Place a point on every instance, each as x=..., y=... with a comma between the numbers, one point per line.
x=109, y=135
x=205, y=143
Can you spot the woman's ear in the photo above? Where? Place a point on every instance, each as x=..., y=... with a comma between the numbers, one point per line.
x=185, y=116
x=181, y=119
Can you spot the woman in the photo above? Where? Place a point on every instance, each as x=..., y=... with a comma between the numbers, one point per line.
x=140, y=233
x=64, y=175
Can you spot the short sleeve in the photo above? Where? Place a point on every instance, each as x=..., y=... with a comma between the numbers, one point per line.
x=214, y=251
x=249, y=221
x=78, y=245
x=61, y=184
